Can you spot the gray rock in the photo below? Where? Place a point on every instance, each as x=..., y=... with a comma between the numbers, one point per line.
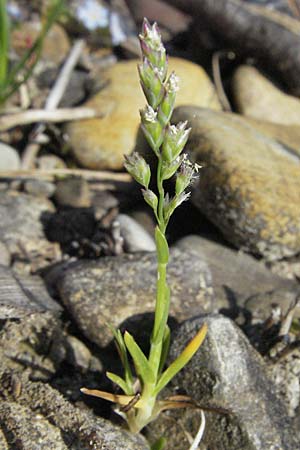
x=39, y=188
x=34, y=341
x=49, y=162
x=74, y=192
x=22, y=227
x=78, y=354
x=9, y=158
x=35, y=414
x=23, y=295
x=233, y=274
x=227, y=373
x=113, y=289
x=29, y=430
x=262, y=304
x=79, y=428
x=136, y=238
x=4, y=255
x=249, y=186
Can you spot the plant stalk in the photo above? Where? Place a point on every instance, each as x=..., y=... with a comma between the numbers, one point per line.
x=4, y=42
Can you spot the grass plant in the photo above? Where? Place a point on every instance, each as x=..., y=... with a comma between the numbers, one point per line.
x=139, y=404
x=11, y=77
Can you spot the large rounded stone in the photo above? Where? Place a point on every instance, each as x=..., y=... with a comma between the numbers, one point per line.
x=10, y=159
x=256, y=96
x=115, y=289
x=233, y=273
x=102, y=142
x=249, y=187
x=229, y=375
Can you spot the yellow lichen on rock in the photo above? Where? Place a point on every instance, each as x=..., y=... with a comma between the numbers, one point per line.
x=249, y=187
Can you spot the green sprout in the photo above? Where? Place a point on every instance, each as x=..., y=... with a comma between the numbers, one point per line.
x=11, y=78
x=139, y=404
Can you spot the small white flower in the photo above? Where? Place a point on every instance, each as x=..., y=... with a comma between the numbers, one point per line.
x=159, y=72
x=173, y=83
x=173, y=129
x=150, y=114
x=152, y=36
x=197, y=167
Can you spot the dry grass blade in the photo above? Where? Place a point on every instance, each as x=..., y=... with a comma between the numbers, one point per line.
x=218, y=77
x=56, y=93
x=104, y=176
x=294, y=7
x=8, y=121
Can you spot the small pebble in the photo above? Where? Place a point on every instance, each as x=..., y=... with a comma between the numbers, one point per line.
x=39, y=188
x=136, y=238
x=74, y=192
x=9, y=158
x=50, y=162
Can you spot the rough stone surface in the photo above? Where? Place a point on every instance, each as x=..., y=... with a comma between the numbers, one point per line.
x=227, y=373
x=113, y=289
x=136, y=238
x=34, y=414
x=249, y=187
x=40, y=188
x=286, y=135
x=79, y=428
x=256, y=96
x=4, y=255
x=34, y=342
x=9, y=158
x=49, y=162
x=29, y=430
x=101, y=143
x=21, y=296
x=237, y=276
x=74, y=192
x=78, y=354
x=22, y=228
x=262, y=304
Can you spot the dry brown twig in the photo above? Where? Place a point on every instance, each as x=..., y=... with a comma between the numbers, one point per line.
x=294, y=7
x=31, y=150
x=218, y=77
x=105, y=176
x=8, y=121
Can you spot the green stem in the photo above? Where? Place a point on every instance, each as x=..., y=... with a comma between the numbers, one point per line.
x=161, y=197
x=4, y=42
x=162, y=303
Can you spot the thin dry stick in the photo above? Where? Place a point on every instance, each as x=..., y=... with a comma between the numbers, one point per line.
x=199, y=435
x=294, y=7
x=218, y=79
x=52, y=102
x=288, y=318
x=54, y=173
x=8, y=121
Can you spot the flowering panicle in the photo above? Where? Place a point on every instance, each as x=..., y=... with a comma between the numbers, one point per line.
x=166, y=140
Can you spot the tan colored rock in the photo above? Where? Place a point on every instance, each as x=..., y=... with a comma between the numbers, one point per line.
x=288, y=135
x=255, y=96
x=55, y=47
x=101, y=143
x=249, y=187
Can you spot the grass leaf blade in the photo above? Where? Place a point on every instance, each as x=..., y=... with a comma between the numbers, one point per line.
x=141, y=363
x=182, y=359
x=120, y=382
